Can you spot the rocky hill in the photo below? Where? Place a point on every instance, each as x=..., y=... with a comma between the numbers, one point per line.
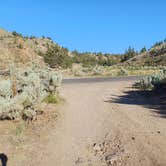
x=153, y=57
x=21, y=50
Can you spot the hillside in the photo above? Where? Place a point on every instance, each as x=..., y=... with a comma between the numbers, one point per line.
x=153, y=57
x=21, y=50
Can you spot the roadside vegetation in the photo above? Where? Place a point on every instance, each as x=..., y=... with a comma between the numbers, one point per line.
x=155, y=82
x=110, y=71
x=22, y=93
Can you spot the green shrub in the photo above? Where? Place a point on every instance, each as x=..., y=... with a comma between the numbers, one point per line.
x=58, y=57
x=143, y=50
x=130, y=53
x=52, y=98
x=14, y=33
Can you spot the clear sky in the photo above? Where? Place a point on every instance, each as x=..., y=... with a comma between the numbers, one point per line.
x=88, y=25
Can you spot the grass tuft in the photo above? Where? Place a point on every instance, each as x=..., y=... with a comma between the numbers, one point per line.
x=53, y=99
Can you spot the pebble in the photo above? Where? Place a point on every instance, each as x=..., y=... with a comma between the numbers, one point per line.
x=97, y=147
x=133, y=138
x=111, y=159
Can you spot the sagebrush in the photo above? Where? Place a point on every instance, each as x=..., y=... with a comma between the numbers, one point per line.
x=152, y=82
x=22, y=93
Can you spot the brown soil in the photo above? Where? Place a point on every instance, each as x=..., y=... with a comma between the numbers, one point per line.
x=99, y=125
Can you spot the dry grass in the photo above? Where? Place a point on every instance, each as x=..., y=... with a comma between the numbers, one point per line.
x=112, y=71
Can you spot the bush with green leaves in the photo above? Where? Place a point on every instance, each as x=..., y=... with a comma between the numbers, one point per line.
x=57, y=56
x=129, y=53
x=143, y=50
x=32, y=86
x=16, y=34
x=86, y=59
x=53, y=99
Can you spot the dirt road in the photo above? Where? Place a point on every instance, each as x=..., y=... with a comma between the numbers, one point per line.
x=96, y=129
x=99, y=125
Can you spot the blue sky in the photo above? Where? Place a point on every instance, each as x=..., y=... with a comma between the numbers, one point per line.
x=88, y=25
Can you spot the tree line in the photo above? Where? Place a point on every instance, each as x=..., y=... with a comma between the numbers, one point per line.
x=57, y=56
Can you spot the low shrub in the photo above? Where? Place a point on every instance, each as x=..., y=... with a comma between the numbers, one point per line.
x=52, y=99
x=22, y=94
x=57, y=56
x=151, y=82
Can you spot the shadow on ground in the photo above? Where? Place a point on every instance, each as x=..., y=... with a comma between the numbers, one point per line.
x=146, y=99
x=3, y=159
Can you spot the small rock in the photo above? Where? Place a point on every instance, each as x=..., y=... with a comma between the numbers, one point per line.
x=109, y=157
x=114, y=160
x=158, y=132
x=94, y=144
x=101, y=146
x=133, y=138
x=103, y=143
x=78, y=161
x=97, y=147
